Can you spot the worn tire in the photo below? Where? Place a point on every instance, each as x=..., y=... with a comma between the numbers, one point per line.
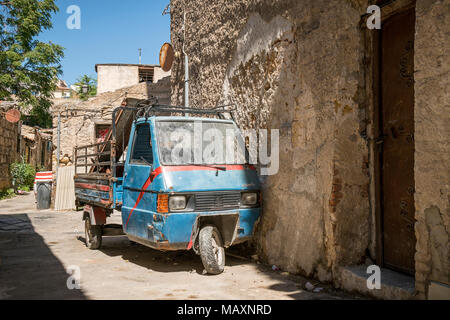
x=212, y=251
x=92, y=235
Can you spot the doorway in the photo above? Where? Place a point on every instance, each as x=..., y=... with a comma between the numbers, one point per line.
x=396, y=141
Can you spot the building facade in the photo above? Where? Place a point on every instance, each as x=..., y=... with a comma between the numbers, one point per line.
x=62, y=91
x=363, y=118
x=36, y=147
x=111, y=77
x=19, y=142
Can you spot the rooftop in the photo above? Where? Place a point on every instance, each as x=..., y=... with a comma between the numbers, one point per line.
x=127, y=65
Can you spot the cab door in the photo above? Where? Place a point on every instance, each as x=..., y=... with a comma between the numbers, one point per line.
x=138, y=198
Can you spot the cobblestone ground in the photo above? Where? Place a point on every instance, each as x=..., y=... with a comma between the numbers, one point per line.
x=38, y=247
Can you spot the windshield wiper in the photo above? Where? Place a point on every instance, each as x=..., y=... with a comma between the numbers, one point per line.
x=209, y=166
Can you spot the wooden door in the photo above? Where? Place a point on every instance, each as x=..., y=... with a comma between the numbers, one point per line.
x=397, y=128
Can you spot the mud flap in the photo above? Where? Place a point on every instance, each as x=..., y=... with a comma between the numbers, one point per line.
x=96, y=214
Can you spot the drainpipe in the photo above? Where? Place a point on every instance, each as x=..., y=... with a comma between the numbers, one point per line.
x=58, y=142
x=186, y=68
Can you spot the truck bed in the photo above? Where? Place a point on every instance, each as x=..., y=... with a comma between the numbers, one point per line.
x=94, y=190
x=98, y=174
x=94, y=181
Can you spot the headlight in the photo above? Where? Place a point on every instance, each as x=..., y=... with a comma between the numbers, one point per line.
x=177, y=203
x=249, y=198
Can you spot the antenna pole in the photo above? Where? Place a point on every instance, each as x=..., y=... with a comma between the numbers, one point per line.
x=140, y=55
x=186, y=68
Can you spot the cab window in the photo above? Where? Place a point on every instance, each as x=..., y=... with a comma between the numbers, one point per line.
x=142, y=145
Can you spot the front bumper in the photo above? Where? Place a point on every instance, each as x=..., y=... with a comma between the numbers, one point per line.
x=174, y=231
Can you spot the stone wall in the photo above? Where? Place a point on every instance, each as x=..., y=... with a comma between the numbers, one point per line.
x=8, y=148
x=432, y=131
x=295, y=66
x=304, y=67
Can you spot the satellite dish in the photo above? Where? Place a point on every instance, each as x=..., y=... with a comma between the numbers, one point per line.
x=166, y=56
x=13, y=115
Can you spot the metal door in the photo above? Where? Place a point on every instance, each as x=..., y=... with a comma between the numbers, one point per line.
x=397, y=127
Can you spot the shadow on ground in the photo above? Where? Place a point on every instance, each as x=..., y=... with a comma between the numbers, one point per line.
x=160, y=261
x=188, y=261
x=28, y=268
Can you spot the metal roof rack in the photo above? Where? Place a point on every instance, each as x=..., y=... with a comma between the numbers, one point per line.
x=143, y=109
x=148, y=110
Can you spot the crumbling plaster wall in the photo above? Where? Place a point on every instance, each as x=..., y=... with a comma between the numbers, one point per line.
x=432, y=153
x=293, y=66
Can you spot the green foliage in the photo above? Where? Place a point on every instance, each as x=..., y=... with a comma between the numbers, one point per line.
x=91, y=84
x=28, y=67
x=38, y=116
x=6, y=193
x=22, y=175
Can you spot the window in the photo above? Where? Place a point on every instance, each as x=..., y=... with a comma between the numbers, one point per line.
x=145, y=75
x=142, y=145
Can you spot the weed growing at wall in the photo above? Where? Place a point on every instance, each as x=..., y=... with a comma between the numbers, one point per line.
x=22, y=175
x=6, y=193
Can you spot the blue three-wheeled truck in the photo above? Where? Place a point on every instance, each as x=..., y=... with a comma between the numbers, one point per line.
x=172, y=180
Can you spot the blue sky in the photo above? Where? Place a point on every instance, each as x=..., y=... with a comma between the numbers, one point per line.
x=111, y=31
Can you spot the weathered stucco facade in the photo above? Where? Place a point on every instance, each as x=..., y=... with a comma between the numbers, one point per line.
x=303, y=67
x=112, y=77
x=432, y=158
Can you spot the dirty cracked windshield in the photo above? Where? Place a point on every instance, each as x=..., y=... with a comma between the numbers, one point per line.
x=199, y=142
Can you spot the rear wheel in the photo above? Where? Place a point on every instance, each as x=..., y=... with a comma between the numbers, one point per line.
x=92, y=234
x=212, y=251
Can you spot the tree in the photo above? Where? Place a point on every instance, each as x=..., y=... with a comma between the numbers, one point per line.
x=28, y=67
x=87, y=87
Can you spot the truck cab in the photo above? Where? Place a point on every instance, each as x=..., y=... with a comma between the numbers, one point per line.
x=183, y=184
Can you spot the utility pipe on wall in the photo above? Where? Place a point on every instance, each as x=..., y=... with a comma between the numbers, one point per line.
x=186, y=68
x=58, y=142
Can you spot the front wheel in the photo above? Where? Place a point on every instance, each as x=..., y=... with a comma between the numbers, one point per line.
x=92, y=235
x=212, y=251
